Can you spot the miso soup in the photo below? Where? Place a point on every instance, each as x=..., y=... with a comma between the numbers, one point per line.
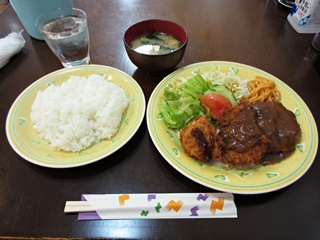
x=155, y=43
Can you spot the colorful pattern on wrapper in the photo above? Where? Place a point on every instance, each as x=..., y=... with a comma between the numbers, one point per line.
x=156, y=206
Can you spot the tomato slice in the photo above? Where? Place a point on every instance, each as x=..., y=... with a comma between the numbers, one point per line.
x=215, y=103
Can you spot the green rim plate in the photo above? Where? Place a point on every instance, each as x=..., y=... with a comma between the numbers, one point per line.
x=26, y=142
x=256, y=180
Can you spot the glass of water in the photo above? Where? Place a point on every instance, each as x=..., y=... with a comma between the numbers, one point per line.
x=66, y=32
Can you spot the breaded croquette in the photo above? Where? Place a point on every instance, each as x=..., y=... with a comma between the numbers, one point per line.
x=199, y=139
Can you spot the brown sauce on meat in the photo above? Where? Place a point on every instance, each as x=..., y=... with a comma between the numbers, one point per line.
x=270, y=120
x=243, y=133
x=279, y=125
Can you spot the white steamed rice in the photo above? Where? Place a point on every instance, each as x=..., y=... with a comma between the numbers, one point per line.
x=79, y=113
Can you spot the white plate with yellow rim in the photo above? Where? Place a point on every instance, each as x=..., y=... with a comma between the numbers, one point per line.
x=25, y=140
x=254, y=180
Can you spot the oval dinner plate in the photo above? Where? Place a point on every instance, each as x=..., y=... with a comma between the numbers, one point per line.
x=27, y=143
x=255, y=180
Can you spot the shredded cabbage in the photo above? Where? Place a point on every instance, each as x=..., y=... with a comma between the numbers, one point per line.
x=237, y=85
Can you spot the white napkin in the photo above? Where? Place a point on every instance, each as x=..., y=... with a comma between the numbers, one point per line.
x=9, y=46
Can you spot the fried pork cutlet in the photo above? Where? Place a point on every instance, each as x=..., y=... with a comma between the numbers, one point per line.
x=199, y=139
x=244, y=144
x=249, y=131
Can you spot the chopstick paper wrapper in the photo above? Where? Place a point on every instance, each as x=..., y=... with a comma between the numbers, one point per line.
x=153, y=206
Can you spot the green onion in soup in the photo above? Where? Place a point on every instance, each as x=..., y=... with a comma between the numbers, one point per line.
x=155, y=43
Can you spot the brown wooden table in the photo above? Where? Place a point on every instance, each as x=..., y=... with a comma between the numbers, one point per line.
x=252, y=32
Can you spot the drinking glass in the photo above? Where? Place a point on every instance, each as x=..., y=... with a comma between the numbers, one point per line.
x=66, y=32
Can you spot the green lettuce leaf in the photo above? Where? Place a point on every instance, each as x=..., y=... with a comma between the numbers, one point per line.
x=196, y=85
x=177, y=113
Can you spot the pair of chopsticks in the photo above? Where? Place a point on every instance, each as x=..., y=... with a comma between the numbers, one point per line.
x=78, y=206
